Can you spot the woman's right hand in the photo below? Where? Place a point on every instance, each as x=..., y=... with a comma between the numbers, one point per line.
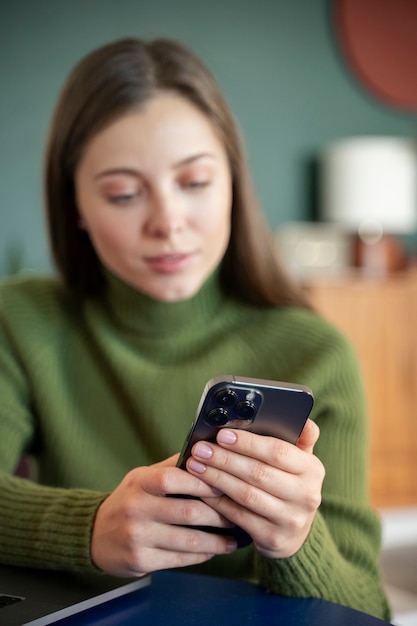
x=138, y=529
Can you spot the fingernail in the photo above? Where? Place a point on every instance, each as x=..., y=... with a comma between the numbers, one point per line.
x=231, y=545
x=216, y=491
x=203, y=451
x=226, y=436
x=197, y=467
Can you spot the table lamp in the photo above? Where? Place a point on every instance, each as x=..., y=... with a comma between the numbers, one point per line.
x=368, y=186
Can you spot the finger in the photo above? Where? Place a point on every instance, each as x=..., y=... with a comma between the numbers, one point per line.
x=271, y=451
x=267, y=463
x=195, y=541
x=161, y=559
x=246, y=480
x=181, y=547
x=162, y=479
x=277, y=511
x=202, y=491
x=308, y=437
x=190, y=512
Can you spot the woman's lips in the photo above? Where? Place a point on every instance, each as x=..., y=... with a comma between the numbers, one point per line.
x=169, y=263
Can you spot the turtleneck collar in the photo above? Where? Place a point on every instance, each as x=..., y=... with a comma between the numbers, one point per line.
x=137, y=312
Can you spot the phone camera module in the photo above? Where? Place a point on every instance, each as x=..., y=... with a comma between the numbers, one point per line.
x=217, y=417
x=226, y=397
x=245, y=410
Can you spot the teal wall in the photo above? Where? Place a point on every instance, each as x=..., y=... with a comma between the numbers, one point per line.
x=276, y=60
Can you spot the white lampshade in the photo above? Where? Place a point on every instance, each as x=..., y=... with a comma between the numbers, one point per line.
x=370, y=182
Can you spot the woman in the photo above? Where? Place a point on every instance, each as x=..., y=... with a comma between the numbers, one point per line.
x=167, y=277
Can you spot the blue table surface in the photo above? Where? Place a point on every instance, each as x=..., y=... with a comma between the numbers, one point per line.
x=187, y=600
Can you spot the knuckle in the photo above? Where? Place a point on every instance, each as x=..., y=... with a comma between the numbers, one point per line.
x=131, y=480
x=190, y=512
x=321, y=472
x=318, y=469
x=139, y=561
x=164, y=480
x=222, y=458
x=313, y=500
x=273, y=544
x=216, y=480
x=311, y=497
x=248, y=496
x=318, y=475
x=192, y=541
x=298, y=522
x=128, y=511
x=260, y=473
x=131, y=534
x=280, y=449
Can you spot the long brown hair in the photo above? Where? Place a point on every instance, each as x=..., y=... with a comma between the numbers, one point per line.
x=112, y=81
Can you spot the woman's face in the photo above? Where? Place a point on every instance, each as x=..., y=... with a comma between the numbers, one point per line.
x=154, y=193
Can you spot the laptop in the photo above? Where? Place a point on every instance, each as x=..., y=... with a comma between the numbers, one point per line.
x=33, y=597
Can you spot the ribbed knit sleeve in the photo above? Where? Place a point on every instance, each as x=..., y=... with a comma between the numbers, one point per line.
x=45, y=526
x=40, y=526
x=320, y=569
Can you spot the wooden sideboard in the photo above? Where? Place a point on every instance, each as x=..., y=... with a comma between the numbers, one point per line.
x=380, y=318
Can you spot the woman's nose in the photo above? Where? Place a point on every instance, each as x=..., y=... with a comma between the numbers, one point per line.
x=165, y=216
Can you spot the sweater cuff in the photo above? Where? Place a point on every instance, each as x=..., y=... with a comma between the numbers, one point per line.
x=48, y=527
x=319, y=570
x=299, y=575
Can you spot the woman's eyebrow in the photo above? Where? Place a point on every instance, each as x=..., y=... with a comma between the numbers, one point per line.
x=114, y=171
x=194, y=157
x=131, y=171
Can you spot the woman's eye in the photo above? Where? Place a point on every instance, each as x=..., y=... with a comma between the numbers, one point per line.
x=197, y=184
x=123, y=198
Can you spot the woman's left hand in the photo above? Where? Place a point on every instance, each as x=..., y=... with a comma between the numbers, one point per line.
x=268, y=487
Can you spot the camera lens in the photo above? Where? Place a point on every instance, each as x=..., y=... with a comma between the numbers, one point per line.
x=217, y=417
x=245, y=410
x=226, y=397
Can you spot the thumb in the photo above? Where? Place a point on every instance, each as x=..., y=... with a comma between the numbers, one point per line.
x=309, y=436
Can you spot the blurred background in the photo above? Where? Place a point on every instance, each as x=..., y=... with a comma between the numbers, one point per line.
x=279, y=63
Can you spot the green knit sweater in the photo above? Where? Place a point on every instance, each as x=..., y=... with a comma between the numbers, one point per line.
x=96, y=387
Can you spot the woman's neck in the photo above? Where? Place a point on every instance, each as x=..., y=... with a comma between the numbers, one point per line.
x=137, y=312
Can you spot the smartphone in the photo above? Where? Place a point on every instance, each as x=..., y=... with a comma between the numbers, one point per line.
x=265, y=407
